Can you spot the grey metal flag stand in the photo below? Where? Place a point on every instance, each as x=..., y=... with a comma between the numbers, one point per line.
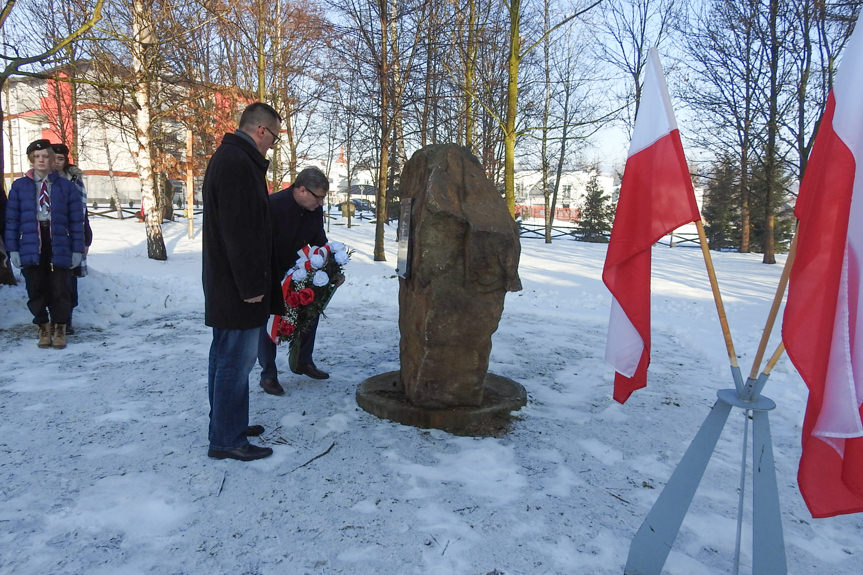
x=652, y=543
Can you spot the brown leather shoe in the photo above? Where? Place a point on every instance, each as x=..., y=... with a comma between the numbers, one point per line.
x=272, y=386
x=312, y=371
x=44, y=335
x=254, y=430
x=58, y=341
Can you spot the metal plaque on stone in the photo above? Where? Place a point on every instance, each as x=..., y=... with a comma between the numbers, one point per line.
x=403, y=267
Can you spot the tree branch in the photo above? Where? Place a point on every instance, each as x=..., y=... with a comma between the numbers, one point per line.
x=14, y=65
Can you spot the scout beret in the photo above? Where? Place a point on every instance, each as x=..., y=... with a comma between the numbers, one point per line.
x=39, y=145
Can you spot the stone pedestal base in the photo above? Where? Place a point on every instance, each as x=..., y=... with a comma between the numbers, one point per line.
x=383, y=396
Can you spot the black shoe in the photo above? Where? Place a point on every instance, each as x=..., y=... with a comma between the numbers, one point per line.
x=312, y=371
x=69, y=329
x=247, y=452
x=272, y=386
x=254, y=430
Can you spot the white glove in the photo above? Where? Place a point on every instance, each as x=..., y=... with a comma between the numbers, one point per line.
x=15, y=258
x=76, y=259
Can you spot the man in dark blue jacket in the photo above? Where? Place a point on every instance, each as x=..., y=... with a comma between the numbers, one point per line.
x=45, y=237
x=237, y=276
x=297, y=221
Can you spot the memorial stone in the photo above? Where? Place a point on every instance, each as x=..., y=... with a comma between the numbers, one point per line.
x=464, y=258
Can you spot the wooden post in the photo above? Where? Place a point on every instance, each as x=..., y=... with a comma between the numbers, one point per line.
x=717, y=297
x=190, y=183
x=774, y=310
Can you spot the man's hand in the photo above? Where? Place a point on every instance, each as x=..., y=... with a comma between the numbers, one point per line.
x=15, y=258
x=256, y=299
x=340, y=281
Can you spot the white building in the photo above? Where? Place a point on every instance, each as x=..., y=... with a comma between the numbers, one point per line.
x=37, y=108
x=530, y=196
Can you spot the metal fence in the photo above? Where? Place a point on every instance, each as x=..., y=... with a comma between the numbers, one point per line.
x=537, y=231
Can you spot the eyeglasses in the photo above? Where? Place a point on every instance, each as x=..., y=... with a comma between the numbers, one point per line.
x=276, y=138
x=320, y=198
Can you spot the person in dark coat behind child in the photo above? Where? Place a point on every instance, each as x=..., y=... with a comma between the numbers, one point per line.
x=6, y=276
x=239, y=287
x=45, y=237
x=298, y=220
x=76, y=176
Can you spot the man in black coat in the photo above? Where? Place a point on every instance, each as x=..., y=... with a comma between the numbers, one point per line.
x=239, y=286
x=297, y=220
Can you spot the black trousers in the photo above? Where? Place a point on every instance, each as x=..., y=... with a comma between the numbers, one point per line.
x=48, y=293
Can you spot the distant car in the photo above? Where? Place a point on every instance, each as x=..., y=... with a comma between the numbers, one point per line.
x=362, y=205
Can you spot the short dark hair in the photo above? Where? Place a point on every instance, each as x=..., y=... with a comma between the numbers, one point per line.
x=258, y=114
x=312, y=178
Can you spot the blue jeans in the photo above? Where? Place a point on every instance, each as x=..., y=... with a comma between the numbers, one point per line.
x=267, y=350
x=232, y=355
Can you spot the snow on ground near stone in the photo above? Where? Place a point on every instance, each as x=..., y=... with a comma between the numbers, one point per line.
x=103, y=466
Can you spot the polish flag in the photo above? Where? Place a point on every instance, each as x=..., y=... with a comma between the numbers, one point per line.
x=823, y=324
x=656, y=196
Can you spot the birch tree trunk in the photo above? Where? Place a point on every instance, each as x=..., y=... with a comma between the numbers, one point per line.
x=142, y=47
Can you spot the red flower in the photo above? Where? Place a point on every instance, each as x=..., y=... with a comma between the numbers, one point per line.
x=286, y=329
x=307, y=296
x=293, y=299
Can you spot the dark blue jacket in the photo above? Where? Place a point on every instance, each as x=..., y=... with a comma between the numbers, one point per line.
x=67, y=221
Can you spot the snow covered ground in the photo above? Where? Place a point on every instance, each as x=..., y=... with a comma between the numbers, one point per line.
x=103, y=466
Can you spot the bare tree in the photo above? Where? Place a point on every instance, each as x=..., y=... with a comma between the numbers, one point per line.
x=517, y=52
x=142, y=55
x=772, y=52
x=632, y=27
x=818, y=31
x=15, y=61
x=576, y=111
x=389, y=34
x=727, y=64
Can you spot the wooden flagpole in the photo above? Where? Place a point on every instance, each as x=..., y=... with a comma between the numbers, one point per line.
x=774, y=310
x=717, y=297
x=771, y=363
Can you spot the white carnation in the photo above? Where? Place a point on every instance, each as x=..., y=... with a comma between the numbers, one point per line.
x=317, y=260
x=336, y=246
x=321, y=278
x=341, y=257
x=300, y=274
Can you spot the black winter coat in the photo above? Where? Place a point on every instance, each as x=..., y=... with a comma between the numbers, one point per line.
x=293, y=227
x=237, y=240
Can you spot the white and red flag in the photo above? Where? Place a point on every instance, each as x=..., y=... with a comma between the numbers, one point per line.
x=823, y=324
x=656, y=196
